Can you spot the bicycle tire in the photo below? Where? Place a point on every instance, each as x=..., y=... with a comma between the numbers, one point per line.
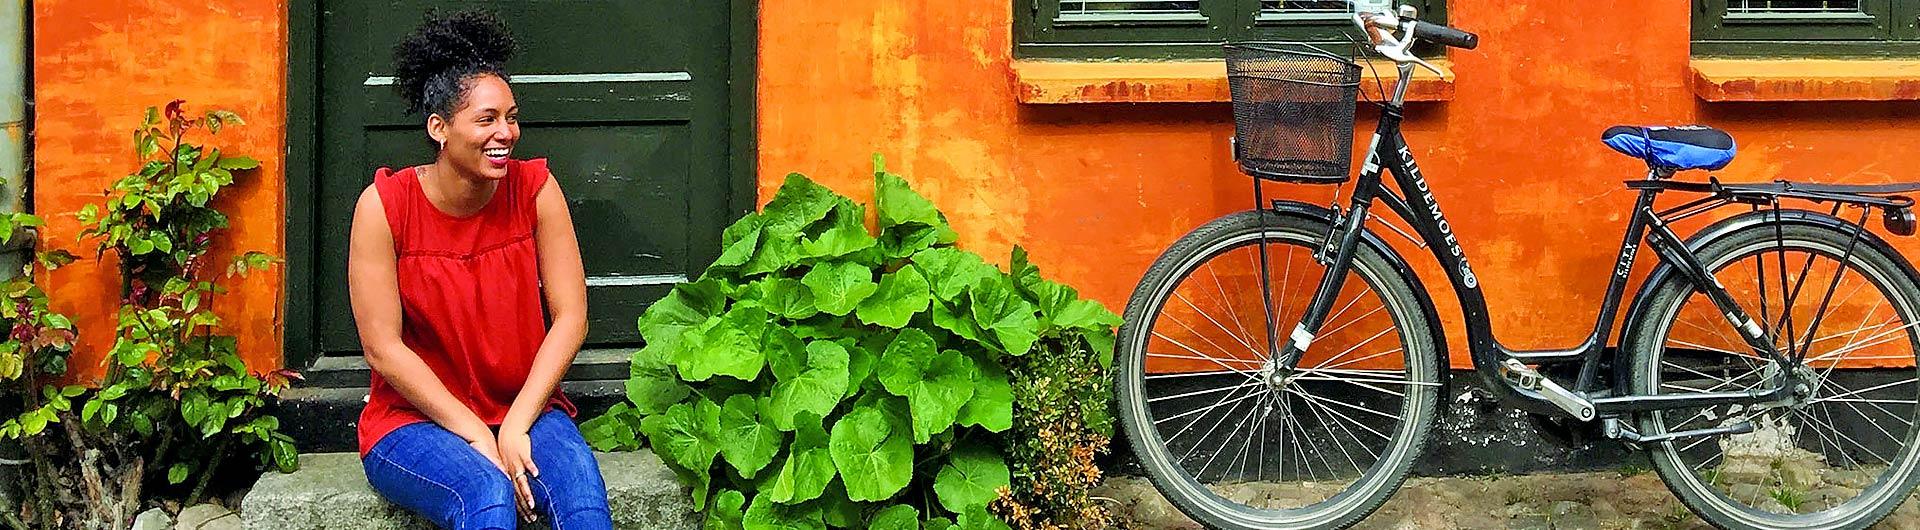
x=1715, y=493
x=1418, y=406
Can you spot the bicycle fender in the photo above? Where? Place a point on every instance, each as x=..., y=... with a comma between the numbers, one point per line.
x=1720, y=230
x=1322, y=214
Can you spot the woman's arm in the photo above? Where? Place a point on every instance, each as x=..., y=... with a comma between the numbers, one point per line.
x=374, y=288
x=565, y=281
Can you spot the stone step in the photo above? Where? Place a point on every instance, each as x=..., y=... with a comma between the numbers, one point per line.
x=330, y=491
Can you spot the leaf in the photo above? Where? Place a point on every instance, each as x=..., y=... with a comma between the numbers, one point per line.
x=951, y=270
x=900, y=295
x=957, y=321
x=900, y=206
x=687, y=305
x=767, y=515
x=839, y=287
x=896, y=517
x=1083, y=314
x=1001, y=311
x=612, y=431
x=808, y=469
x=734, y=345
x=971, y=479
x=285, y=457
x=992, y=405
x=685, y=437
x=907, y=240
x=786, y=297
x=1101, y=340
x=779, y=250
x=865, y=444
x=847, y=235
x=234, y=163
x=728, y=509
x=651, y=385
x=139, y=245
x=936, y=384
x=739, y=240
x=799, y=203
x=977, y=518
x=177, y=473
x=812, y=382
x=747, y=443
x=860, y=361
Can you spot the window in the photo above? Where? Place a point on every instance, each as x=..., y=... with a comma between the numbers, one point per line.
x=1805, y=27
x=1171, y=29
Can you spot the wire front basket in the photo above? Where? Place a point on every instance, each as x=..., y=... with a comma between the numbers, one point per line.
x=1293, y=110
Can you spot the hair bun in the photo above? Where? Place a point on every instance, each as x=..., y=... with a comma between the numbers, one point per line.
x=465, y=41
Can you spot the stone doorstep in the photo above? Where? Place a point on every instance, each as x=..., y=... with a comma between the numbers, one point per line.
x=330, y=491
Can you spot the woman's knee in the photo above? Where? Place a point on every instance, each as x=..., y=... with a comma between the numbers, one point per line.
x=488, y=503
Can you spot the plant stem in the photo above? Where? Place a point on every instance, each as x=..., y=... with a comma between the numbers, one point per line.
x=206, y=472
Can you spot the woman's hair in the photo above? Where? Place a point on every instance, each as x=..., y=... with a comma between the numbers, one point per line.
x=434, y=65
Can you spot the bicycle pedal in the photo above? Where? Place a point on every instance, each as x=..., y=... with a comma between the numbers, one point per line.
x=1526, y=378
x=1520, y=375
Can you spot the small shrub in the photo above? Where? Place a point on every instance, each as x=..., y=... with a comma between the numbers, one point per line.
x=821, y=375
x=175, y=400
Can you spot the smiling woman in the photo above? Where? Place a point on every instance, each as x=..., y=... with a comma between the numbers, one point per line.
x=467, y=247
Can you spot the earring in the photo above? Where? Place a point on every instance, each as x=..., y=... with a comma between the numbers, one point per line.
x=443, y=145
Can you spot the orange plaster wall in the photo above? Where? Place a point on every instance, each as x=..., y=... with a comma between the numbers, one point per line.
x=1095, y=192
x=97, y=64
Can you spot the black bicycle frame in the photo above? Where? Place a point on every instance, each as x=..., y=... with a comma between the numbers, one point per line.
x=1415, y=204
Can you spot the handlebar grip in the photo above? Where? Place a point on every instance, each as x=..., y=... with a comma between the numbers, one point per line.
x=1446, y=35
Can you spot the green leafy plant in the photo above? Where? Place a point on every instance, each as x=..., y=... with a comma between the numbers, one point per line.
x=174, y=399
x=823, y=375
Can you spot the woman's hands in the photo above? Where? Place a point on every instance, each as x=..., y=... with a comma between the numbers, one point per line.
x=516, y=457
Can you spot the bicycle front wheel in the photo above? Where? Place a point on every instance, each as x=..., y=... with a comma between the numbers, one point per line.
x=1840, y=454
x=1237, y=444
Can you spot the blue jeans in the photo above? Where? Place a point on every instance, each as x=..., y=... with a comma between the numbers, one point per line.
x=433, y=472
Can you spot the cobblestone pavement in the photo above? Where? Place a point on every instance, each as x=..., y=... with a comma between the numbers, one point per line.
x=1625, y=499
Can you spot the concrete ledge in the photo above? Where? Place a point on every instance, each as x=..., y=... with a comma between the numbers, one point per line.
x=1051, y=82
x=330, y=492
x=1806, y=79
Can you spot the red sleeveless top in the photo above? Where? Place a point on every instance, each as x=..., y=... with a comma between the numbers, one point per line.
x=470, y=298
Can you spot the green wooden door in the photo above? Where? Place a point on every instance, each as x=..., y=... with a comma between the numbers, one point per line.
x=629, y=100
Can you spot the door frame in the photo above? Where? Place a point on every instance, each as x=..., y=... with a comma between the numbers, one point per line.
x=300, y=346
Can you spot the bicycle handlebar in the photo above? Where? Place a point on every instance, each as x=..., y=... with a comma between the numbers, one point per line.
x=1446, y=35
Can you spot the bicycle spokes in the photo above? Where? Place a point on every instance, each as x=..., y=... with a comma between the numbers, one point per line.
x=1852, y=415
x=1271, y=438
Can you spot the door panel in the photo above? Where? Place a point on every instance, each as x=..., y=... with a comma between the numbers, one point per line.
x=629, y=101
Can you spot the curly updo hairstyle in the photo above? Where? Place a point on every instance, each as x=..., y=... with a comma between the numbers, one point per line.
x=435, y=65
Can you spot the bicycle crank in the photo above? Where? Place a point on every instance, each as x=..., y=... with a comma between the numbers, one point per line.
x=1525, y=377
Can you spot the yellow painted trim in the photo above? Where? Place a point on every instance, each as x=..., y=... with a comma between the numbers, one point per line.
x=1806, y=79
x=1056, y=82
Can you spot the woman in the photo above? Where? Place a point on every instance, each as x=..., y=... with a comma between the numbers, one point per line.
x=446, y=270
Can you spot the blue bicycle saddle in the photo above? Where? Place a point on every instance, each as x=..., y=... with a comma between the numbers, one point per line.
x=1681, y=147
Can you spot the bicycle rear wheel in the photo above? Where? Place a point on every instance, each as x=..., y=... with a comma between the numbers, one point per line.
x=1842, y=454
x=1235, y=444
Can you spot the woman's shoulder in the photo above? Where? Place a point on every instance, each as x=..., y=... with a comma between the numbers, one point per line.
x=529, y=177
x=531, y=170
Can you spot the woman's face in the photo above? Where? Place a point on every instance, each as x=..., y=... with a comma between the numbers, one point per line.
x=480, y=135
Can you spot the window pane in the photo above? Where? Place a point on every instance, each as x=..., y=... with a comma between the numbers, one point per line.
x=1126, y=8
x=1793, y=6
x=1301, y=7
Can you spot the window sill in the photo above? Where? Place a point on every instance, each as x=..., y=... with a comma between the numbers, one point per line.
x=1060, y=82
x=1806, y=79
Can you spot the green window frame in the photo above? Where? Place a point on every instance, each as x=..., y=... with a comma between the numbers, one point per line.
x=1793, y=28
x=1189, y=29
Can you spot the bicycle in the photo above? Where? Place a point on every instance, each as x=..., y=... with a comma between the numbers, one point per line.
x=1737, y=408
